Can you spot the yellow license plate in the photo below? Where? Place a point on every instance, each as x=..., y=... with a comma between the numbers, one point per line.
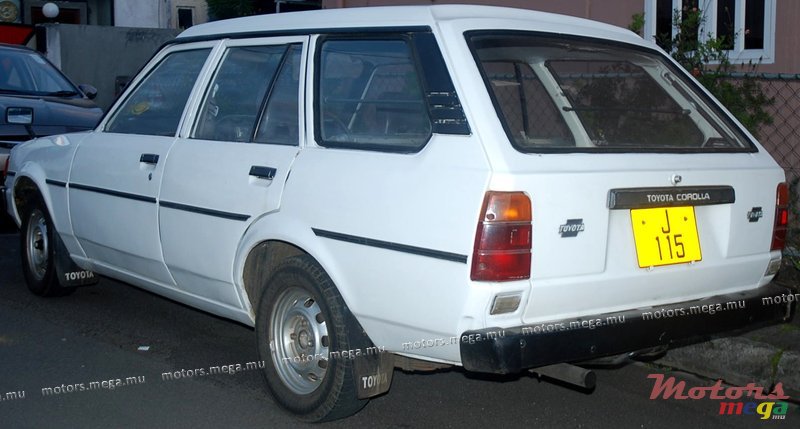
x=665, y=236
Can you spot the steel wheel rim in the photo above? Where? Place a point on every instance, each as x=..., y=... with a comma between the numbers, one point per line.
x=299, y=341
x=37, y=244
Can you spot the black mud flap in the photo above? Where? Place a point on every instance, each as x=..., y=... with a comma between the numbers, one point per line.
x=372, y=366
x=373, y=372
x=69, y=274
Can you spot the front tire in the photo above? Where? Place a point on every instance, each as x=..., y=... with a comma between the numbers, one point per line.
x=300, y=319
x=37, y=245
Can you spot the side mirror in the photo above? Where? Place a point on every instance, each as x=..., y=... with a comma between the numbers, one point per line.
x=89, y=90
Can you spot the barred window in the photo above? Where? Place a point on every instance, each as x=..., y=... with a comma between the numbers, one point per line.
x=746, y=28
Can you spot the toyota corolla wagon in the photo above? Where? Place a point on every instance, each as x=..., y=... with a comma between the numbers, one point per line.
x=415, y=187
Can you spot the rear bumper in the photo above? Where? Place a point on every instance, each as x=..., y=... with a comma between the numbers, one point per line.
x=511, y=350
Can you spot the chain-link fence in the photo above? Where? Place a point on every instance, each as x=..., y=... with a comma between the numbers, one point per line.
x=782, y=139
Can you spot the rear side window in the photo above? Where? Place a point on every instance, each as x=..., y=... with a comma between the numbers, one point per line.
x=370, y=96
x=568, y=94
x=156, y=105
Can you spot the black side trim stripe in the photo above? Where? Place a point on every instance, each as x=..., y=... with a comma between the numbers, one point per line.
x=166, y=204
x=205, y=211
x=447, y=256
x=56, y=183
x=11, y=173
x=113, y=193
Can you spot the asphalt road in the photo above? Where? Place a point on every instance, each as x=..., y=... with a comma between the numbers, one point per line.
x=96, y=334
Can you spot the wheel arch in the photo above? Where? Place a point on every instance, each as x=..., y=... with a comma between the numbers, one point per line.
x=270, y=240
x=265, y=257
x=29, y=185
x=260, y=264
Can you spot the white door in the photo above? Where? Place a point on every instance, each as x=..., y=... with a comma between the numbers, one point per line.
x=117, y=171
x=230, y=167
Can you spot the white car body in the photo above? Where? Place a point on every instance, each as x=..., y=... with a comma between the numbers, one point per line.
x=396, y=231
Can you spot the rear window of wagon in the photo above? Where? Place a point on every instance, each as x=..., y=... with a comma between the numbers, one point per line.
x=572, y=94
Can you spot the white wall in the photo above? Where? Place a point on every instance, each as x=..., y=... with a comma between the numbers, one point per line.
x=141, y=13
x=156, y=13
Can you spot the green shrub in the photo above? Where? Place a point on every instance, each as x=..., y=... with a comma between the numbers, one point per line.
x=224, y=9
x=708, y=61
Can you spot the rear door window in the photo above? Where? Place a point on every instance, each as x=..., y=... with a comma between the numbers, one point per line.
x=234, y=97
x=253, y=96
x=279, y=123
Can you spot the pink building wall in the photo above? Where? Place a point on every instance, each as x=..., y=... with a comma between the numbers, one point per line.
x=619, y=12
x=599, y=10
x=787, y=39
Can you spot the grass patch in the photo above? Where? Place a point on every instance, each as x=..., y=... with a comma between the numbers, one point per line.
x=658, y=368
x=773, y=363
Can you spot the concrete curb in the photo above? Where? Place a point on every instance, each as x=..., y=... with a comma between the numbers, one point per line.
x=739, y=361
x=763, y=356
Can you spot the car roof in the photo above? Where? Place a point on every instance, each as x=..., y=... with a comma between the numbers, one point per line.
x=479, y=17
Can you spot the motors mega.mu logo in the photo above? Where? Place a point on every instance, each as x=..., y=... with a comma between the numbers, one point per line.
x=732, y=399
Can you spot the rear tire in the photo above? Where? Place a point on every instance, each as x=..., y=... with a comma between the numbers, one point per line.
x=37, y=245
x=301, y=317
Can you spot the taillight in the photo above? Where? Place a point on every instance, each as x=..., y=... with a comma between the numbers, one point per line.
x=781, y=217
x=503, y=240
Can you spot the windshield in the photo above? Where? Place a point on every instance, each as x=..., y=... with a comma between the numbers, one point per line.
x=28, y=73
x=559, y=94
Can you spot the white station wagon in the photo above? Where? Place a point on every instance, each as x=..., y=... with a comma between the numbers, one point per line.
x=415, y=187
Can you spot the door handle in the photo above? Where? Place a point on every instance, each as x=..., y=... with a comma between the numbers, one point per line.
x=149, y=158
x=263, y=172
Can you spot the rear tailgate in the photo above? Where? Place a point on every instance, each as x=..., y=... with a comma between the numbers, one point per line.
x=644, y=192
x=585, y=258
